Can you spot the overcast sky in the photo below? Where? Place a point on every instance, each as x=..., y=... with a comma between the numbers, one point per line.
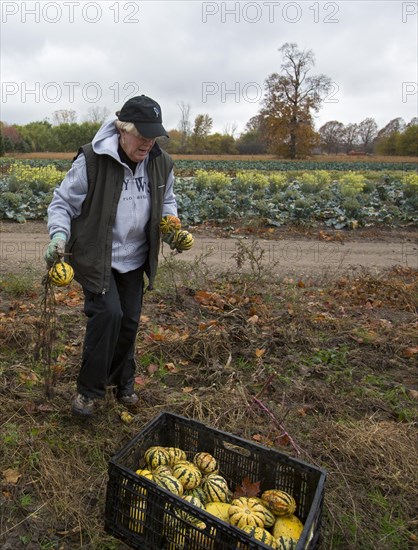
x=214, y=56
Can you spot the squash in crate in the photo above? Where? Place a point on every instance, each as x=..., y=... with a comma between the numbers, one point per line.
x=288, y=526
x=246, y=511
x=286, y=543
x=185, y=515
x=189, y=476
x=139, y=505
x=279, y=502
x=156, y=456
x=206, y=463
x=215, y=488
x=170, y=483
x=258, y=533
x=196, y=492
x=175, y=455
x=219, y=510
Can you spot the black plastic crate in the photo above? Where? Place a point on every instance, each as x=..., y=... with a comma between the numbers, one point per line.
x=146, y=516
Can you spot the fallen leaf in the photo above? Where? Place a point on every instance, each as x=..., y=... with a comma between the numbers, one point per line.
x=253, y=320
x=11, y=476
x=141, y=380
x=283, y=440
x=413, y=394
x=247, y=488
x=409, y=352
x=171, y=367
x=260, y=352
x=152, y=367
x=187, y=389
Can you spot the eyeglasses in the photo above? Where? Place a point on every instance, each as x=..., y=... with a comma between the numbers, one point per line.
x=137, y=135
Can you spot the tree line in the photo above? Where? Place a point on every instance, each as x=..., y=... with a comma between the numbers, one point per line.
x=397, y=138
x=284, y=125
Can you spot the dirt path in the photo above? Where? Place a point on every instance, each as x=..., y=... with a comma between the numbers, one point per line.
x=288, y=253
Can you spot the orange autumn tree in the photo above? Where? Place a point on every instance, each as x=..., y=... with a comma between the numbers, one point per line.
x=290, y=101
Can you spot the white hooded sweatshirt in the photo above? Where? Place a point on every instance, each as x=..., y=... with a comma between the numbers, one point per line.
x=129, y=246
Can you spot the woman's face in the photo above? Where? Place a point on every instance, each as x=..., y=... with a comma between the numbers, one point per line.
x=136, y=147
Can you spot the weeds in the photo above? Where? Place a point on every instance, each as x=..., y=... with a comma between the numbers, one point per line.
x=20, y=284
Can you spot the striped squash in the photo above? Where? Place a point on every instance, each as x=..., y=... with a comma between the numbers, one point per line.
x=175, y=455
x=197, y=492
x=61, y=274
x=162, y=469
x=170, y=483
x=270, y=517
x=246, y=511
x=258, y=533
x=183, y=240
x=156, y=456
x=206, y=463
x=169, y=224
x=215, y=488
x=279, y=502
x=286, y=543
x=189, y=476
x=185, y=515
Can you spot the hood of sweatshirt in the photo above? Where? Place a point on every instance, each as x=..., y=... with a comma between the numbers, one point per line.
x=106, y=140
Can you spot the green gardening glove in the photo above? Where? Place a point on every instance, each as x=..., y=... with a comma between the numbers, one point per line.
x=56, y=248
x=170, y=239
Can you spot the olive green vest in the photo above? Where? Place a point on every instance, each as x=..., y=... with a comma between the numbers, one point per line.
x=90, y=244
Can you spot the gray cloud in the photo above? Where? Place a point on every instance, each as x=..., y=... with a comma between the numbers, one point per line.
x=213, y=55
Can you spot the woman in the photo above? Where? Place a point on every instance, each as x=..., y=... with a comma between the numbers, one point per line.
x=105, y=215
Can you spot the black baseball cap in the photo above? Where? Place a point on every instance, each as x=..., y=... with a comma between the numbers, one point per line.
x=145, y=114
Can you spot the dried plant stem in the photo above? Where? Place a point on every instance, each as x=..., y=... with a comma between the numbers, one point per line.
x=279, y=425
x=46, y=337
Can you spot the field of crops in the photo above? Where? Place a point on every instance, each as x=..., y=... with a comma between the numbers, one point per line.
x=335, y=194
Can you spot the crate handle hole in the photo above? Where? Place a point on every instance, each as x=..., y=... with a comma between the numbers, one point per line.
x=236, y=449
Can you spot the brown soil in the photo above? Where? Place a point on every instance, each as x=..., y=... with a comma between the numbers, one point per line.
x=287, y=252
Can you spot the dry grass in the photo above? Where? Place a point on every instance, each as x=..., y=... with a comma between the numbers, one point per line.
x=334, y=364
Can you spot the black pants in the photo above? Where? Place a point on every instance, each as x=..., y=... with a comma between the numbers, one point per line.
x=109, y=343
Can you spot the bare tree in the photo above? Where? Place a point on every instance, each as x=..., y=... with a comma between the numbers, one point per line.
x=367, y=131
x=184, y=126
x=64, y=116
x=97, y=114
x=350, y=136
x=331, y=134
x=230, y=129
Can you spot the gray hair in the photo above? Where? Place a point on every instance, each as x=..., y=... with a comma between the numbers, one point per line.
x=128, y=127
